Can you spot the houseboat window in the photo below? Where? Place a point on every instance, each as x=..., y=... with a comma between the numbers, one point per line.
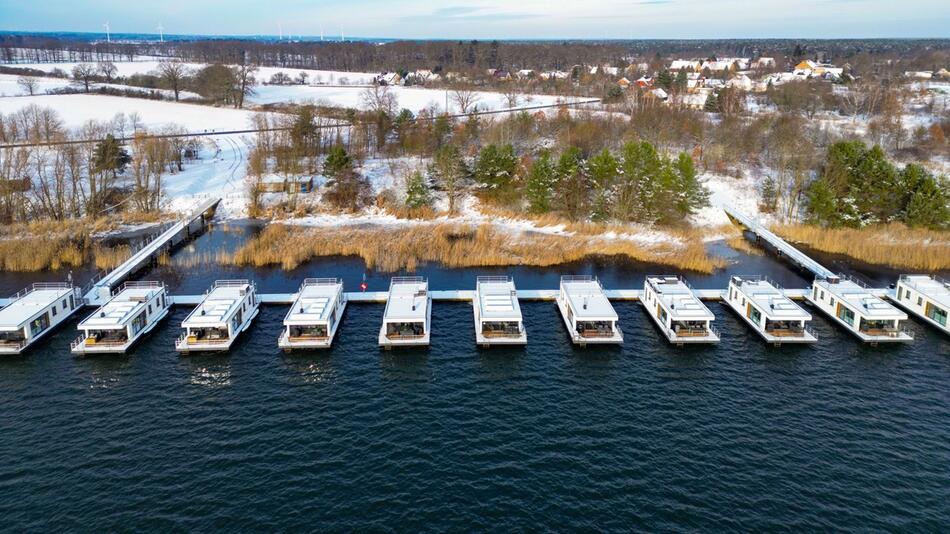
x=846, y=315
x=39, y=324
x=815, y=293
x=71, y=303
x=755, y=315
x=937, y=314
x=54, y=310
x=899, y=290
x=64, y=304
x=832, y=303
x=920, y=301
x=823, y=296
x=150, y=308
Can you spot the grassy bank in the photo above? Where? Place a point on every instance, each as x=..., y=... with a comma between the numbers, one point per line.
x=57, y=245
x=894, y=245
x=453, y=245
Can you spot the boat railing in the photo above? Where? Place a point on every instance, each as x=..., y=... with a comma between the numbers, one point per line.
x=39, y=286
x=232, y=283
x=493, y=279
x=7, y=344
x=183, y=341
x=906, y=278
x=320, y=282
x=407, y=280
x=146, y=284
x=81, y=340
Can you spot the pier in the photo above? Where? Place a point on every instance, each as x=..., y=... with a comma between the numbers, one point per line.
x=101, y=289
x=783, y=247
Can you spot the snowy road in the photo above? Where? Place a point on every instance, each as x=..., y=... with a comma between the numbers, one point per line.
x=219, y=173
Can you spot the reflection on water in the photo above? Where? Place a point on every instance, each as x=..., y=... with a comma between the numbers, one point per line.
x=309, y=367
x=211, y=374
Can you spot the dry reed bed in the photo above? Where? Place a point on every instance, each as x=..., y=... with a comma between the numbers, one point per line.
x=453, y=245
x=55, y=245
x=894, y=245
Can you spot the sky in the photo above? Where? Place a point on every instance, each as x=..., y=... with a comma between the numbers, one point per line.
x=491, y=19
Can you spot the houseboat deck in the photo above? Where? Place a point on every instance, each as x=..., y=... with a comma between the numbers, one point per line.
x=111, y=321
x=774, y=316
x=220, y=317
x=497, y=313
x=408, y=314
x=34, y=312
x=313, y=319
x=587, y=313
x=678, y=312
x=872, y=314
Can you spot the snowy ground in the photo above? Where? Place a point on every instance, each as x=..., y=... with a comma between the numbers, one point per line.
x=219, y=173
x=76, y=109
x=10, y=87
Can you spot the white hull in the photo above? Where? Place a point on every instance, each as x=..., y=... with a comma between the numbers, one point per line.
x=917, y=314
x=900, y=337
x=284, y=342
x=804, y=338
x=681, y=340
x=84, y=349
x=485, y=341
x=421, y=341
x=14, y=351
x=221, y=346
x=577, y=339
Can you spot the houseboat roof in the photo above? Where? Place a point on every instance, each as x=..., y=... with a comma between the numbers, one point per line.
x=861, y=300
x=933, y=288
x=587, y=299
x=219, y=304
x=678, y=299
x=122, y=308
x=498, y=299
x=408, y=299
x=32, y=303
x=315, y=302
x=773, y=303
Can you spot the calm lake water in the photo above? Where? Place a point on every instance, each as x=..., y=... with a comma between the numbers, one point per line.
x=738, y=436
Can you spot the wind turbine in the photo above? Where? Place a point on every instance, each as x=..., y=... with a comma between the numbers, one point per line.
x=161, y=33
x=342, y=37
x=108, y=35
x=280, y=30
x=321, y=32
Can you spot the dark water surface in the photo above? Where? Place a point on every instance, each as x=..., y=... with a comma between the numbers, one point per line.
x=738, y=436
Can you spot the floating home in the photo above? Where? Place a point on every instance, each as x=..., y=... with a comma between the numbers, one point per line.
x=678, y=312
x=765, y=308
x=408, y=314
x=313, y=319
x=853, y=307
x=588, y=315
x=927, y=297
x=34, y=312
x=226, y=310
x=497, y=312
x=132, y=312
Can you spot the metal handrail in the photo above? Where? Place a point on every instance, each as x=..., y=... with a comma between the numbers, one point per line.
x=138, y=285
x=232, y=283
x=488, y=279
x=38, y=286
x=320, y=282
x=407, y=280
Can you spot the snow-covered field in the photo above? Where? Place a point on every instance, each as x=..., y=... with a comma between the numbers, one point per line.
x=10, y=87
x=76, y=109
x=128, y=68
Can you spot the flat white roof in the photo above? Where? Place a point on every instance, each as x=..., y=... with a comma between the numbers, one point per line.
x=121, y=309
x=678, y=299
x=408, y=301
x=218, y=306
x=861, y=300
x=22, y=311
x=773, y=303
x=588, y=301
x=935, y=290
x=497, y=300
x=314, y=304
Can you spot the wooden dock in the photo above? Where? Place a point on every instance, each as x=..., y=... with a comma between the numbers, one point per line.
x=100, y=290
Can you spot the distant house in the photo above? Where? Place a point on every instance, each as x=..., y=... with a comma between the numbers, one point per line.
x=275, y=183
x=721, y=65
x=389, y=78
x=624, y=83
x=943, y=74
x=554, y=74
x=688, y=64
x=606, y=70
x=740, y=82
x=643, y=82
x=920, y=74
x=524, y=74
x=764, y=63
x=501, y=74
x=659, y=93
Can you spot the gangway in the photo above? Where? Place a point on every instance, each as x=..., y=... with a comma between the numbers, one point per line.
x=784, y=247
x=101, y=289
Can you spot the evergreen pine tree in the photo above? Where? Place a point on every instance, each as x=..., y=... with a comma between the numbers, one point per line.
x=930, y=204
x=602, y=170
x=822, y=204
x=110, y=156
x=572, y=192
x=417, y=191
x=540, y=185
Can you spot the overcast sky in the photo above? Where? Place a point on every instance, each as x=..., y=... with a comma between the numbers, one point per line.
x=483, y=19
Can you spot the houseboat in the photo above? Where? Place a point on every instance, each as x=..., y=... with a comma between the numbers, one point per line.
x=853, y=307
x=313, y=319
x=408, y=314
x=587, y=314
x=679, y=313
x=764, y=307
x=132, y=312
x=34, y=312
x=226, y=310
x=497, y=312
x=927, y=297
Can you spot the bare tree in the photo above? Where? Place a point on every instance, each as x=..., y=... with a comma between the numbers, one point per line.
x=464, y=98
x=379, y=98
x=28, y=83
x=244, y=83
x=83, y=75
x=108, y=70
x=173, y=74
x=512, y=96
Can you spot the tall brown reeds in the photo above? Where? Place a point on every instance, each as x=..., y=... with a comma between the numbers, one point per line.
x=894, y=245
x=454, y=245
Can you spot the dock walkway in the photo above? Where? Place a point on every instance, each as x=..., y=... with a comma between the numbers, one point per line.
x=101, y=289
x=784, y=247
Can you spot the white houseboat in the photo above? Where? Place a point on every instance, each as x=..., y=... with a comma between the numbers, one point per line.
x=764, y=307
x=313, y=319
x=408, y=314
x=131, y=313
x=497, y=312
x=226, y=310
x=34, y=312
x=852, y=306
x=679, y=313
x=588, y=315
x=927, y=297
